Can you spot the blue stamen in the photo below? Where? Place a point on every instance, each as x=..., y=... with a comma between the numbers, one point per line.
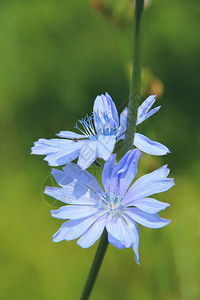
x=104, y=122
x=88, y=127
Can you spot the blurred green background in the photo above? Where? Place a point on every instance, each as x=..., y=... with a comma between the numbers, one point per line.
x=55, y=57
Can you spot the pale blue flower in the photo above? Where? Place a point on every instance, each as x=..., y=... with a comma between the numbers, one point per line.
x=89, y=209
x=99, y=133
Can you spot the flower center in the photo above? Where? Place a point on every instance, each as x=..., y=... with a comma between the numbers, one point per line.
x=111, y=203
x=87, y=128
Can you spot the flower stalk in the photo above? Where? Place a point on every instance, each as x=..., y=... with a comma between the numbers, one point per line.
x=129, y=138
x=101, y=250
x=134, y=96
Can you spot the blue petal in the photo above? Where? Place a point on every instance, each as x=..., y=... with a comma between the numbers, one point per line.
x=113, y=110
x=145, y=219
x=107, y=171
x=43, y=147
x=61, y=177
x=151, y=112
x=73, y=229
x=92, y=234
x=58, y=193
x=151, y=147
x=118, y=233
x=149, y=184
x=127, y=176
x=134, y=230
x=123, y=123
x=106, y=145
x=74, y=212
x=124, y=172
x=105, y=113
x=58, y=152
x=61, y=158
x=71, y=135
x=72, y=187
x=83, y=177
x=143, y=110
x=70, y=195
x=88, y=154
x=121, y=137
x=116, y=243
x=53, y=144
x=148, y=205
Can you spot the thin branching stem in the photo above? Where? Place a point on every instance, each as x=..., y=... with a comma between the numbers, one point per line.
x=134, y=96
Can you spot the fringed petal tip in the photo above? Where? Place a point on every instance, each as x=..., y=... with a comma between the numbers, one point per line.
x=145, y=111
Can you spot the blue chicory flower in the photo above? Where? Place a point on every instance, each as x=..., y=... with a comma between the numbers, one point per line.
x=98, y=136
x=119, y=208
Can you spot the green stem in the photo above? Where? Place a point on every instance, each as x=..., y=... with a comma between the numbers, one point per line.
x=134, y=95
x=128, y=143
x=101, y=250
